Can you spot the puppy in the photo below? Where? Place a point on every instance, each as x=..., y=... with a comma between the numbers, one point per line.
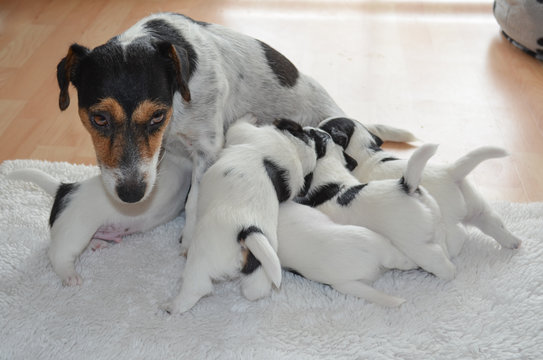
x=398, y=209
x=346, y=257
x=236, y=229
x=459, y=201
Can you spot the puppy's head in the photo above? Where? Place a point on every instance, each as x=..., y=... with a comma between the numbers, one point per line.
x=350, y=134
x=125, y=96
x=325, y=147
x=305, y=144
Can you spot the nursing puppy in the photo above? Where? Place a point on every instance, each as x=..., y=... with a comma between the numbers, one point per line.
x=236, y=229
x=459, y=201
x=348, y=258
x=398, y=209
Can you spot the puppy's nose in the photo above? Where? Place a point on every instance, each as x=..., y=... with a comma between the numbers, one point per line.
x=131, y=191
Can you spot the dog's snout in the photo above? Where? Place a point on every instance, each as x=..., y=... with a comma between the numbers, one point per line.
x=131, y=191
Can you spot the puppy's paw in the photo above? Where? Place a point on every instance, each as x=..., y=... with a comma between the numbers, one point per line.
x=72, y=280
x=448, y=272
x=97, y=244
x=169, y=308
x=511, y=243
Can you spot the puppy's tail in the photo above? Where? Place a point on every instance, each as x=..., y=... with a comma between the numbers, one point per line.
x=391, y=133
x=38, y=177
x=260, y=247
x=463, y=166
x=412, y=176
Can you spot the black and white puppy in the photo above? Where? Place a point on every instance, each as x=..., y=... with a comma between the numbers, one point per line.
x=236, y=229
x=398, y=209
x=460, y=203
x=348, y=258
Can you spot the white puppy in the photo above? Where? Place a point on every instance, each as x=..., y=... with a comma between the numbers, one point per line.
x=348, y=258
x=397, y=209
x=236, y=228
x=460, y=203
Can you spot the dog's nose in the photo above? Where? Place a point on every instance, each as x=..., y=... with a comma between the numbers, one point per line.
x=131, y=191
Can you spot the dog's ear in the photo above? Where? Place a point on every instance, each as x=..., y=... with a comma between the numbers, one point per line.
x=339, y=137
x=292, y=127
x=321, y=138
x=351, y=162
x=179, y=62
x=67, y=71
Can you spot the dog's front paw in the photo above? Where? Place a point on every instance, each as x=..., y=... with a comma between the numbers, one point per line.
x=72, y=280
x=511, y=243
x=171, y=308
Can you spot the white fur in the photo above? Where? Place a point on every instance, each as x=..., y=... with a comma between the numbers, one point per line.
x=348, y=258
x=410, y=219
x=237, y=194
x=460, y=203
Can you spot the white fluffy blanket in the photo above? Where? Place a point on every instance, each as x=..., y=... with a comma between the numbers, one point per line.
x=492, y=310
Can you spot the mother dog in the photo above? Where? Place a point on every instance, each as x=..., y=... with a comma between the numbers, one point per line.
x=157, y=100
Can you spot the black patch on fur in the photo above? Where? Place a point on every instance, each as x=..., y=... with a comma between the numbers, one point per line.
x=349, y=195
x=319, y=195
x=351, y=162
x=252, y=263
x=391, y=158
x=321, y=139
x=279, y=179
x=307, y=185
x=293, y=128
x=62, y=199
x=378, y=141
x=284, y=70
x=340, y=129
x=405, y=186
x=160, y=29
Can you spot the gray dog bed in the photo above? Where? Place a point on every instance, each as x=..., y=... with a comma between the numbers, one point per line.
x=522, y=24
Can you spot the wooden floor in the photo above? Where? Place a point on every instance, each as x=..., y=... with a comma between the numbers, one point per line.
x=438, y=68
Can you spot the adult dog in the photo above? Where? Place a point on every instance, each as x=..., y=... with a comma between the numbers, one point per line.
x=157, y=100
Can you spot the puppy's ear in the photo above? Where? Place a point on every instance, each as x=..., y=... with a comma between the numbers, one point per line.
x=179, y=63
x=292, y=127
x=351, y=163
x=321, y=138
x=67, y=71
x=339, y=137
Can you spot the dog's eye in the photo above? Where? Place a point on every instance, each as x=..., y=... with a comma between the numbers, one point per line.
x=157, y=118
x=100, y=119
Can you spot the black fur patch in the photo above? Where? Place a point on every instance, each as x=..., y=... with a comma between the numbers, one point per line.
x=378, y=141
x=251, y=263
x=320, y=195
x=340, y=129
x=405, y=186
x=279, y=179
x=307, y=184
x=293, y=128
x=348, y=195
x=351, y=162
x=162, y=30
x=62, y=199
x=321, y=139
x=284, y=70
x=391, y=158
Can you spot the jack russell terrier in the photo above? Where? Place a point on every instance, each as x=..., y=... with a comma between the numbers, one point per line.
x=157, y=100
x=459, y=201
x=398, y=209
x=348, y=258
x=236, y=229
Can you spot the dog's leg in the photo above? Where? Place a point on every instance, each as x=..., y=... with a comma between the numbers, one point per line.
x=483, y=217
x=196, y=284
x=191, y=207
x=364, y=291
x=456, y=237
x=432, y=258
x=256, y=285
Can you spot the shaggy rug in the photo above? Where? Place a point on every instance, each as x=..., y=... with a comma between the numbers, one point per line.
x=492, y=310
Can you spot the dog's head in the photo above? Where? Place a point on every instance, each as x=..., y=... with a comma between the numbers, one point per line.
x=325, y=146
x=125, y=96
x=304, y=143
x=351, y=135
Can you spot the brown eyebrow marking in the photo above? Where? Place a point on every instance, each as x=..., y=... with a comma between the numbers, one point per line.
x=145, y=110
x=111, y=106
